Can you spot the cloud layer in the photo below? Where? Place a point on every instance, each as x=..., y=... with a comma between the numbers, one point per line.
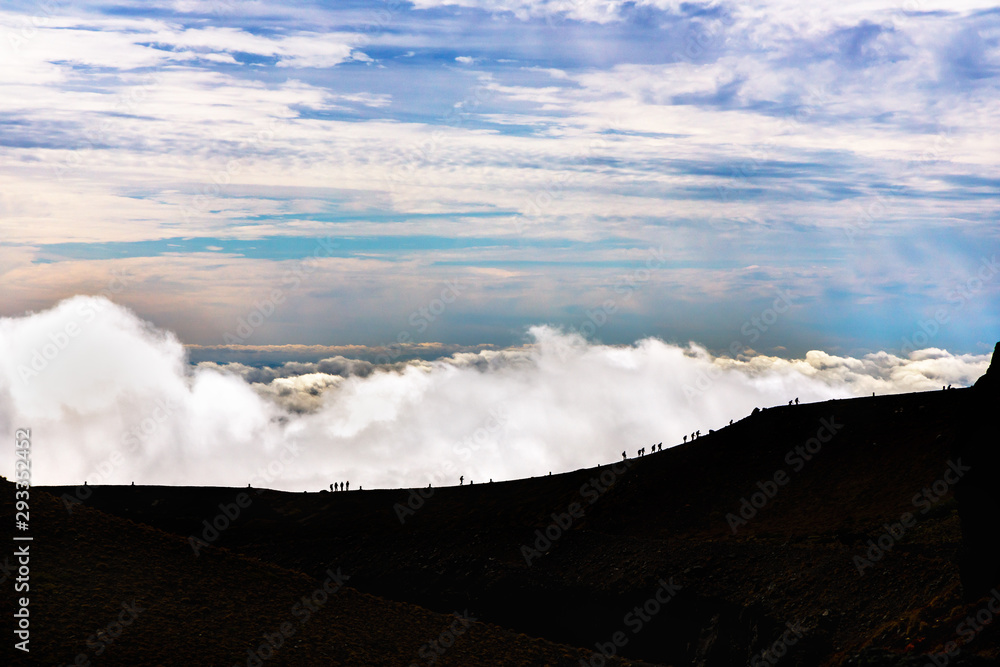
x=110, y=398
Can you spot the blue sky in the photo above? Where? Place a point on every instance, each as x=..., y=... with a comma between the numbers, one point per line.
x=651, y=168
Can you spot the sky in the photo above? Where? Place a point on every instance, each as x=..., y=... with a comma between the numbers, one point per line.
x=622, y=169
x=382, y=228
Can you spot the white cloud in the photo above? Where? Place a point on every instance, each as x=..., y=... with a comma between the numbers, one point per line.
x=595, y=11
x=89, y=379
x=126, y=45
x=787, y=12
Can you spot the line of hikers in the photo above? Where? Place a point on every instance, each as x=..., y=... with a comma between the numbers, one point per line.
x=658, y=447
x=697, y=434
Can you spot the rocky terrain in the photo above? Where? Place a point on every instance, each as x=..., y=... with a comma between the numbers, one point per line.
x=859, y=532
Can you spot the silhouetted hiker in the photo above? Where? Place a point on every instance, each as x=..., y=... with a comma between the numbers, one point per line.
x=949, y=387
x=470, y=482
x=685, y=438
x=461, y=480
x=623, y=456
x=789, y=402
x=692, y=436
x=133, y=483
x=697, y=434
x=796, y=400
x=491, y=480
x=730, y=422
x=331, y=486
x=348, y=487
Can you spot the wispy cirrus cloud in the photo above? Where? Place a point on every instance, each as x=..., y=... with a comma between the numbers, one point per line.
x=849, y=151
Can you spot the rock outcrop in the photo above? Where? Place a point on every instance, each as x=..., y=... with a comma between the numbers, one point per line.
x=978, y=492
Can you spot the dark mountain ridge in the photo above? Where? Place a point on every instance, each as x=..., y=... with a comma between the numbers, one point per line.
x=815, y=534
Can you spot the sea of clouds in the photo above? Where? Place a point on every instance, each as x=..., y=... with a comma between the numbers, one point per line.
x=110, y=398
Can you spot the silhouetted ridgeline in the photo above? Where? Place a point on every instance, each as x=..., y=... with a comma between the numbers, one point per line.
x=814, y=534
x=979, y=492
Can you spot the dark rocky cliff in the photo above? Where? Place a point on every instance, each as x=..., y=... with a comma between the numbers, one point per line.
x=978, y=493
